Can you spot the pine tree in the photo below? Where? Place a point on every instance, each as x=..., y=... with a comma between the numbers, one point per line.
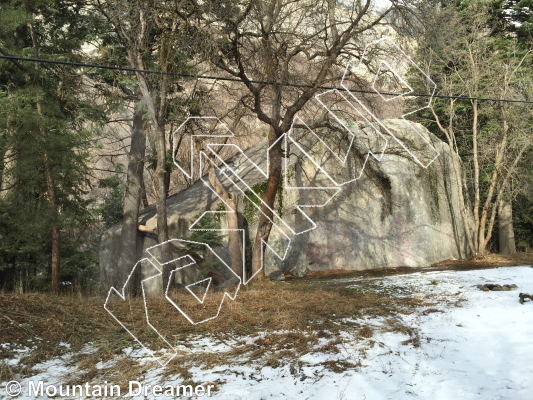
x=206, y=230
x=45, y=140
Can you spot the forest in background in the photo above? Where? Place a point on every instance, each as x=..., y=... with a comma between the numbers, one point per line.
x=82, y=149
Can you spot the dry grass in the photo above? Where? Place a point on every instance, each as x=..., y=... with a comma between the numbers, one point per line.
x=489, y=261
x=482, y=262
x=6, y=372
x=300, y=305
x=339, y=366
x=67, y=319
x=287, y=319
x=330, y=347
x=365, y=332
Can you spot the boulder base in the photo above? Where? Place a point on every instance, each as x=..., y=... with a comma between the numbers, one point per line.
x=397, y=213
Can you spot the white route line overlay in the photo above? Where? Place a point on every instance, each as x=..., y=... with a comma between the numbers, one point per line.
x=122, y=296
x=285, y=137
x=352, y=94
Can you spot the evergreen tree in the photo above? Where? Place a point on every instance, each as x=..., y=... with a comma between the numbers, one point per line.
x=206, y=230
x=45, y=139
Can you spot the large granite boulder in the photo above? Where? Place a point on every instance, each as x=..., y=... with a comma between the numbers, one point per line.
x=397, y=213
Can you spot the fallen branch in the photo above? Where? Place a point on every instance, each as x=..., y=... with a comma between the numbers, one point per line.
x=145, y=229
x=152, y=231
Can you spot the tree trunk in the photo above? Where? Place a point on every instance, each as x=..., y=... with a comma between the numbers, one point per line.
x=144, y=197
x=505, y=222
x=160, y=171
x=462, y=208
x=234, y=242
x=167, y=183
x=56, y=261
x=7, y=181
x=3, y=152
x=132, y=201
x=161, y=205
x=265, y=217
x=493, y=183
x=477, y=199
x=50, y=184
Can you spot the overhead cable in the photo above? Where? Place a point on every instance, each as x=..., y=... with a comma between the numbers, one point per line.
x=219, y=78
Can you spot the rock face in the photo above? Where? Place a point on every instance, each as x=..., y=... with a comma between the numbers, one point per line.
x=299, y=270
x=396, y=214
x=277, y=276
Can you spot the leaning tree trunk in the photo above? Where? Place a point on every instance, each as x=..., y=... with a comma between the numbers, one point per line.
x=506, y=231
x=132, y=201
x=234, y=245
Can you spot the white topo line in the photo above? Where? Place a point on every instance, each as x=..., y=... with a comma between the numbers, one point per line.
x=283, y=227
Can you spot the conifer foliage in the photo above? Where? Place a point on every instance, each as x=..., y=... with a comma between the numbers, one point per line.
x=45, y=138
x=206, y=230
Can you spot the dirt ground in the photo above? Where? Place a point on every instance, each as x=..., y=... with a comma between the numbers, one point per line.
x=481, y=262
x=321, y=301
x=489, y=261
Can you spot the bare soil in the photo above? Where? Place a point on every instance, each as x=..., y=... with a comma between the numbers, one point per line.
x=325, y=278
x=322, y=304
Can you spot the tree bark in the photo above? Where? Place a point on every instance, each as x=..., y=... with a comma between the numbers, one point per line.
x=160, y=171
x=265, y=217
x=132, y=201
x=144, y=197
x=478, y=230
x=3, y=152
x=477, y=198
x=50, y=184
x=506, y=231
x=493, y=182
x=234, y=242
x=161, y=167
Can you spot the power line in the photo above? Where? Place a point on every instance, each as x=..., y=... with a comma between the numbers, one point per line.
x=147, y=71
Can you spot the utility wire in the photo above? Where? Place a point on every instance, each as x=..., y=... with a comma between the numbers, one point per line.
x=147, y=71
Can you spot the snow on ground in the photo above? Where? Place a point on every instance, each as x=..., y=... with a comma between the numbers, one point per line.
x=481, y=348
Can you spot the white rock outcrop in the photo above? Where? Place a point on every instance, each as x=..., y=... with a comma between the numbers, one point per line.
x=396, y=214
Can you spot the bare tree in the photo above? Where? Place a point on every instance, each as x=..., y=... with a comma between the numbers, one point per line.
x=285, y=42
x=461, y=53
x=152, y=33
